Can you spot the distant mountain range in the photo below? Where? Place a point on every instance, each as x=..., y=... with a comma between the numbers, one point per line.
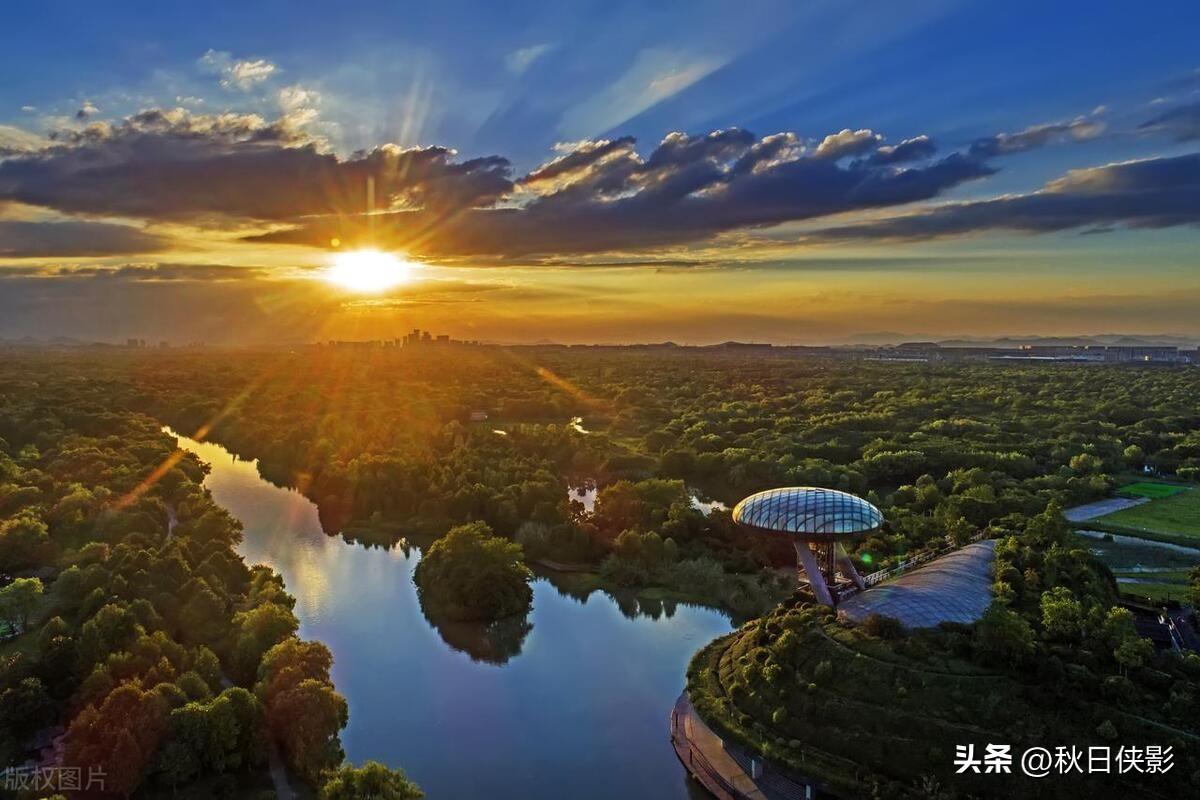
x=1111, y=340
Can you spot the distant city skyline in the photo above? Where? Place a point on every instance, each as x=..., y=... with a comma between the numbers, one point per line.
x=609, y=173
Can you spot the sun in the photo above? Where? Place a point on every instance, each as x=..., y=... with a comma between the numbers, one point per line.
x=368, y=271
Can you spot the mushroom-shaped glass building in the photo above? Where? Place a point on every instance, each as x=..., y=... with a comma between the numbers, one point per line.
x=818, y=522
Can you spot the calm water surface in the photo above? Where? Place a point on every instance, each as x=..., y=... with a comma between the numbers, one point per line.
x=573, y=703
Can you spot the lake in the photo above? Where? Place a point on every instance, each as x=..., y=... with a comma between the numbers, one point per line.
x=574, y=701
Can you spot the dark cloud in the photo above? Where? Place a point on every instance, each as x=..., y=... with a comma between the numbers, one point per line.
x=914, y=149
x=1153, y=193
x=595, y=196
x=580, y=158
x=176, y=165
x=1002, y=144
x=138, y=272
x=1181, y=122
x=689, y=188
x=74, y=238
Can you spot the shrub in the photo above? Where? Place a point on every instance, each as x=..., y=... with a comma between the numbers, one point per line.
x=883, y=626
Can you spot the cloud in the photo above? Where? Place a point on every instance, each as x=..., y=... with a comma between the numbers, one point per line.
x=1002, y=144
x=243, y=75
x=88, y=109
x=138, y=272
x=847, y=143
x=299, y=104
x=580, y=157
x=914, y=149
x=520, y=60
x=14, y=141
x=176, y=165
x=239, y=171
x=1150, y=193
x=1181, y=122
x=604, y=196
x=296, y=97
x=25, y=239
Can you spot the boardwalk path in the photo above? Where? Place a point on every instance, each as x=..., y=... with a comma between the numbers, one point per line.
x=704, y=755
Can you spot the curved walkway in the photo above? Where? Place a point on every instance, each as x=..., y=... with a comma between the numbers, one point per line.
x=954, y=588
x=727, y=771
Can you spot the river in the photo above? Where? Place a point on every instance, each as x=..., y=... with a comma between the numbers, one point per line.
x=574, y=702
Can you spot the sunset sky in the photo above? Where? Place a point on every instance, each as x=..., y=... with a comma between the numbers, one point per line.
x=600, y=172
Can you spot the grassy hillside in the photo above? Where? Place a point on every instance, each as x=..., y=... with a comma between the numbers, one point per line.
x=871, y=716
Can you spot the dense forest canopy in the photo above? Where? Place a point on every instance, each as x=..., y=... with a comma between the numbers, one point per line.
x=146, y=649
x=942, y=449
x=163, y=656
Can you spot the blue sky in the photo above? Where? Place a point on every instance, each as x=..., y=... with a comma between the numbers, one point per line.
x=1073, y=86
x=957, y=70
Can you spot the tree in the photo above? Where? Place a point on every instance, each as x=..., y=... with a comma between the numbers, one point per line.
x=1003, y=636
x=24, y=708
x=1128, y=648
x=124, y=768
x=1132, y=653
x=371, y=781
x=288, y=663
x=471, y=575
x=306, y=719
x=258, y=630
x=111, y=628
x=203, y=619
x=302, y=711
x=21, y=540
x=179, y=758
x=19, y=600
x=118, y=735
x=1062, y=614
x=1134, y=456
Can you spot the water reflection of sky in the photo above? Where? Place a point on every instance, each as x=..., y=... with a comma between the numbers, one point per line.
x=581, y=710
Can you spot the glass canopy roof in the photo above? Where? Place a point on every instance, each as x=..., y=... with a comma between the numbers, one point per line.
x=808, y=511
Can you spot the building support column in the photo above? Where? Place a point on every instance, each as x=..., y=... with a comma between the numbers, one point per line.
x=815, y=579
x=848, y=567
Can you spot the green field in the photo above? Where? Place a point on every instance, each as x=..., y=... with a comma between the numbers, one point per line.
x=1157, y=585
x=1175, y=517
x=1157, y=591
x=1154, y=491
